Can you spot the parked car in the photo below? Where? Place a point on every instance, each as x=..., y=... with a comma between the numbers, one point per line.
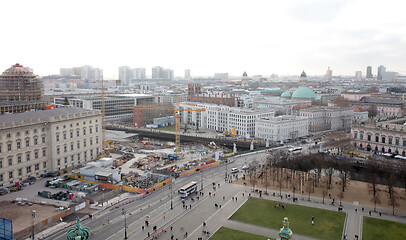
x=245, y=167
x=50, y=174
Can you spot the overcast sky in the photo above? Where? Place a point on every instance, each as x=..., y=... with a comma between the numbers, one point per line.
x=260, y=37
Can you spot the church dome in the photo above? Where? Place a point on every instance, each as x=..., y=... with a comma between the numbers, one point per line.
x=245, y=74
x=303, y=92
x=286, y=94
x=303, y=74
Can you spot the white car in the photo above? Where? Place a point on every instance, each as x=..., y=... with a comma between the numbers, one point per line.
x=234, y=170
x=245, y=167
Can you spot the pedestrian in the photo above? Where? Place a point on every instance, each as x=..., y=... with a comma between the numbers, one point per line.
x=356, y=210
x=224, y=198
x=236, y=199
x=233, y=198
x=243, y=194
x=380, y=214
x=185, y=234
x=148, y=234
x=142, y=227
x=190, y=206
x=283, y=207
x=171, y=228
x=369, y=213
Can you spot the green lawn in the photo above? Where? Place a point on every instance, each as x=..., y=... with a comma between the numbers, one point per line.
x=168, y=128
x=231, y=234
x=382, y=229
x=328, y=224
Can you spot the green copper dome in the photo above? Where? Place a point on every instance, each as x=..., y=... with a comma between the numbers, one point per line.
x=286, y=94
x=303, y=92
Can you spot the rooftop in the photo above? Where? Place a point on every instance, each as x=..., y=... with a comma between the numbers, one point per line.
x=18, y=117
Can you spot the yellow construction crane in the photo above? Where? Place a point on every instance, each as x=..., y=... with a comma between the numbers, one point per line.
x=177, y=117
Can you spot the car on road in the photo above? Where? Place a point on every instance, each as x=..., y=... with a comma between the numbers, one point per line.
x=234, y=170
x=50, y=174
x=245, y=167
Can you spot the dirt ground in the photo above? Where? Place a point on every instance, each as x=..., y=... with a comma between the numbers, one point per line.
x=355, y=191
x=21, y=215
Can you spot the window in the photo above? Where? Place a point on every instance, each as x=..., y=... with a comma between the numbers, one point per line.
x=64, y=135
x=84, y=131
x=28, y=169
x=383, y=139
x=10, y=175
x=66, y=160
x=57, y=127
x=43, y=129
x=57, y=137
x=28, y=156
x=27, y=132
x=1, y=163
x=44, y=152
x=0, y=148
x=97, y=140
x=78, y=157
x=361, y=136
x=44, y=165
x=36, y=155
x=27, y=143
x=91, y=153
x=71, y=146
x=90, y=130
x=369, y=137
x=78, y=145
x=19, y=159
x=91, y=142
x=77, y=132
x=10, y=161
x=376, y=138
x=37, y=167
x=84, y=142
x=18, y=134
x=43, y=139
x=1, y=177
x=9, y=146
x=72, y=158
x=390, y=140
x=71, y=134
x=397, y=141
x=8, y=135
x=85, y=155
x=35, y=141
x=65, y=148
x=97, y=129
x=58, y=162
x=18, y=145
x=35, y=130
x=58, y=150
x=20, y=172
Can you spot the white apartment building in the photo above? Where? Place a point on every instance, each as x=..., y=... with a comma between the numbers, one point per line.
x=127, y=74
x=281, y=128
x=171, y=98
x=323, y=119
x=162, y=73
x=223, y=118
x=32, y=143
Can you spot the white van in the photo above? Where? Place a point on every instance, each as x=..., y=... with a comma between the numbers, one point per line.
x=234, y=170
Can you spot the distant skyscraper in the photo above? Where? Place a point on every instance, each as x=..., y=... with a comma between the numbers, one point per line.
x=358, y=74
x=244, y=80
x=187, y=74
x=381, y=71
x=369, y=72
x=329, y=74
x=85, y=72
x=126, y=74
x=162, y=73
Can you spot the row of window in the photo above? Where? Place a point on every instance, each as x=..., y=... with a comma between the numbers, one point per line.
x=64, y=134
x=10, y=159
x=92, y=154
x=77, y=124
x=65, y=147
x=28, y=170
x=27, y=132
x=19, y=144
x=381, y=140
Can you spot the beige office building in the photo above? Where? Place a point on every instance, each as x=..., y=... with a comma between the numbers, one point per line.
x=32, y=143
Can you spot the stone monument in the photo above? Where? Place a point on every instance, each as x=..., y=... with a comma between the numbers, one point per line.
x=78, y=232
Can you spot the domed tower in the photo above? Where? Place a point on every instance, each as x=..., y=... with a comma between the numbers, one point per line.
x=303, y=79
x=20, y=90
x=244, y=80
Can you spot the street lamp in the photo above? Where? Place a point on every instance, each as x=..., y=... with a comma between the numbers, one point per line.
x=170, y=188
x=201, y=171
x=33, y=217
x=226, y=168
x=125, y=222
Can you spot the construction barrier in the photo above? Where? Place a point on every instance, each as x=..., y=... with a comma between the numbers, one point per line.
x=185, y=173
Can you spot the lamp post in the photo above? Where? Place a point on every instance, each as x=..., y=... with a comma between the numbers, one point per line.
x=125, y=222
x=33, y=217
x=170, y=188
x=201, y=188
x=226, y=168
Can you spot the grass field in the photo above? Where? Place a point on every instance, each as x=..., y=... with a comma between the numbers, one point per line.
x=231, y=234
x=382, y=229
x=168, y=128
x=328, y=224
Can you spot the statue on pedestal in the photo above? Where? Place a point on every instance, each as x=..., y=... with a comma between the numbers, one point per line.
x=78, y=232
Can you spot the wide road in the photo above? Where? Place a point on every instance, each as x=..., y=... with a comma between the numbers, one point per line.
x=110, y=223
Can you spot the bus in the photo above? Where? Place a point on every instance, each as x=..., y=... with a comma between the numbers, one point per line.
x=295, y=150
x=188, y=189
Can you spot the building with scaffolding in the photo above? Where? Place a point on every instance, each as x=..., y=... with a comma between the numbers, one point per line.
x=20, y=90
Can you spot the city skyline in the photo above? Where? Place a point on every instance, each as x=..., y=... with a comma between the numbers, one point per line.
x=207, y=37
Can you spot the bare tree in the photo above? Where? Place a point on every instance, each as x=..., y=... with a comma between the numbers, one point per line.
x=373, y=169
x=309, y=186
x=341, y=196
x=393, y=199
x=329, y=173
x=341, y=102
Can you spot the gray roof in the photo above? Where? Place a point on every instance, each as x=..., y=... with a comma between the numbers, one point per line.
x=17, y=117
x=391, y=101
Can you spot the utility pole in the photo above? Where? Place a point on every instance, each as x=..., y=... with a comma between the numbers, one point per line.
x=125, y=222
x=201, y=171
x=33, y=218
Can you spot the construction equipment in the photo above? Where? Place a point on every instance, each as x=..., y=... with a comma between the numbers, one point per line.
x=139, y=109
